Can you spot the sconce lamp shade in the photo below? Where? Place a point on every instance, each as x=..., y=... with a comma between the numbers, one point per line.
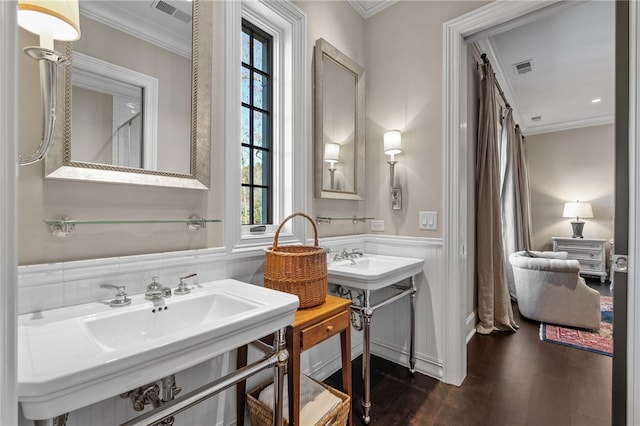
x=331, y=152
x=393, y=142
x=52, y=19
x=577, y=210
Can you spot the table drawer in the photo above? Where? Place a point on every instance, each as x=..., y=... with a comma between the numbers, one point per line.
x=315, y=334
x=569, y=245
x=585, y=255
x=587, y=266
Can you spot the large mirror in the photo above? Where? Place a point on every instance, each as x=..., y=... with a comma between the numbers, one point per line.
x=137, y=98
x=338, y=124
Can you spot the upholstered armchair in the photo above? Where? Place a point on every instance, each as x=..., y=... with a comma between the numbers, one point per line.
x=550, y=289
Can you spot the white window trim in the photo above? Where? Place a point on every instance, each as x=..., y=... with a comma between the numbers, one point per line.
x=287, y=24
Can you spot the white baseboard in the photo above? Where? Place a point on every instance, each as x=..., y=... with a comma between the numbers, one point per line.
x=424, y=364
x=471, y=324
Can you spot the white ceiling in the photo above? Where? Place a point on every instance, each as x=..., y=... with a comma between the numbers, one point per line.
x=572, y=54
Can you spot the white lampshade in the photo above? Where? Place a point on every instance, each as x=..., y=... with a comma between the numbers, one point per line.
x=393, y=142
x=331, y=152
x=577, y=210
x=50, y=19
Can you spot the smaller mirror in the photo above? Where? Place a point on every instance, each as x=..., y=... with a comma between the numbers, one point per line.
x=338, y=124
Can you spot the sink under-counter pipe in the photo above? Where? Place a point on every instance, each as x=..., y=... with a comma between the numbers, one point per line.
x=277, y=358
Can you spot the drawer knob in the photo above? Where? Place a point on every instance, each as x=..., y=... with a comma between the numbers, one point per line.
x=329, y=328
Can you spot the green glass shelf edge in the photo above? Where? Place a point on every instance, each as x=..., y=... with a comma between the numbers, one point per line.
x=117, y=222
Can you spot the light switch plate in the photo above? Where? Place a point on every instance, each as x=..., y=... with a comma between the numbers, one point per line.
x=428, y=220
x=377, y=225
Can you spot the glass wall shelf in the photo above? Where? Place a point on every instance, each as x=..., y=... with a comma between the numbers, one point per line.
x=63, y=226
x=354, y=219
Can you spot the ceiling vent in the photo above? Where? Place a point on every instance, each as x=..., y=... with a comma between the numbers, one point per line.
x=523, y=67
x=536, y=118
x=167, y=8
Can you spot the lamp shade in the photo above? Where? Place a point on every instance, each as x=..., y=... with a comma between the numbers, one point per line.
x=577, y=210
x=393, y=142
x=56, y=19
x=331, y=152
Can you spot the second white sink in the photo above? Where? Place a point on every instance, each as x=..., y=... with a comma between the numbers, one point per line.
x=373, y=271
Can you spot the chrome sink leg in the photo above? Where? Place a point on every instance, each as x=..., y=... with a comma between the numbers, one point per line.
x=366, y=312
x=60, y=420
x=283, y=356
x=412, y=346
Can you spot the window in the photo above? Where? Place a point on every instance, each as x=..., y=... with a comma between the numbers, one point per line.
x=257, y=123
x=283, y=27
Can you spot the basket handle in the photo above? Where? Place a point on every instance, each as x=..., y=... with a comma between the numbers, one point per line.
x=315, y=228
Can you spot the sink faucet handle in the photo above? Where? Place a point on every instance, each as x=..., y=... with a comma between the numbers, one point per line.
x=182, y=287
x=121, y=298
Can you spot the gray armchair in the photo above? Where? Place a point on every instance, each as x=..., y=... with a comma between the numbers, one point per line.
x=550, y=289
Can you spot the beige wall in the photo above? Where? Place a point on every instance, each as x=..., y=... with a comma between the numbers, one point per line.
x=567, y=166
x=404, y=91
x=339, y=24
x=401, y=49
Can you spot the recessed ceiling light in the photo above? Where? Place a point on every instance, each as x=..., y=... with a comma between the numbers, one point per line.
x=595, y=101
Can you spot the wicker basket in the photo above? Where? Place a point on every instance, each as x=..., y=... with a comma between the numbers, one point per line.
x=262, y=415
x=299, y=270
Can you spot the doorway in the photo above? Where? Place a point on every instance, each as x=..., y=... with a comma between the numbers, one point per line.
x=456, y=33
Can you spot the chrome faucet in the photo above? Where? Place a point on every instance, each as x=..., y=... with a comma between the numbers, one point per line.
x=155, y=290
x=182, y=287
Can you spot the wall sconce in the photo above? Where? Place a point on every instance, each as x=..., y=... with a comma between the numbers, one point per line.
x=51, y=20
x=393, y=146
x=577, y=210
x=332, y=156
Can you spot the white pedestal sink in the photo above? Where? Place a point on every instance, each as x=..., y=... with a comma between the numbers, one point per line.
x=368, y=273
x=72, y=357
x=373, y=271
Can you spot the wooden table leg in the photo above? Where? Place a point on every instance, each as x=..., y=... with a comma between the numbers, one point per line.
x=293, y=376
x=241, y=387
x=345, y=349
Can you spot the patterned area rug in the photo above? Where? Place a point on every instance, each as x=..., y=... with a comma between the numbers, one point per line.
x=600, y=342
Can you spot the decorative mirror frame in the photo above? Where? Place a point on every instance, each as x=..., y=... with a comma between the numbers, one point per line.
x=58, y=163
x=325, y=49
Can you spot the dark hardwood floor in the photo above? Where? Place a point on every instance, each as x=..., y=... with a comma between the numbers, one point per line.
x=512, y=379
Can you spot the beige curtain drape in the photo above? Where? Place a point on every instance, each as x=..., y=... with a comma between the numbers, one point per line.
x=514, y=196
x=494, y=304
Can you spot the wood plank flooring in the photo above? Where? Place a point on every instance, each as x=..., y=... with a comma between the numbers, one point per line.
x=512, y=379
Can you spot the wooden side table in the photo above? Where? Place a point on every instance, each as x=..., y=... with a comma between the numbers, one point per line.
x=310, y=327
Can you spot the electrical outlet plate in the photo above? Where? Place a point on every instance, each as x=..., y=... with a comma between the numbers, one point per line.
x=377, y=225
x=428, y=220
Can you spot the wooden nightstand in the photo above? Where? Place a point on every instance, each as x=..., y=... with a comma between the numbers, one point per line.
x=310, y=327
x=590, y=252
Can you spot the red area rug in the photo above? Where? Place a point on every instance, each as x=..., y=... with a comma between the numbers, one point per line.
x=600, y=342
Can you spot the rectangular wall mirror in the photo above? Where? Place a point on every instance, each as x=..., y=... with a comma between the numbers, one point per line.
x=137, y=97
x=339, y=84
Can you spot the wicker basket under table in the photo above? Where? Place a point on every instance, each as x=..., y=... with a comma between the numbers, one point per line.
x=299, y=270
x=262, y=415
